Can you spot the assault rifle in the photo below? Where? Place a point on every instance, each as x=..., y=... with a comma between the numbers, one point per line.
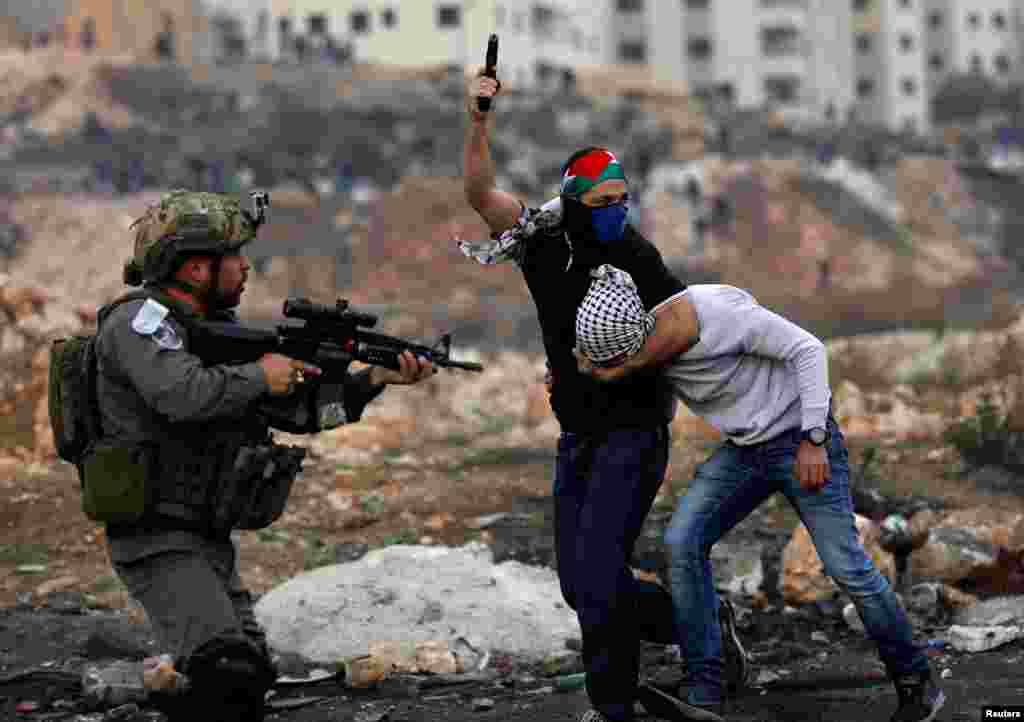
x=331, y=337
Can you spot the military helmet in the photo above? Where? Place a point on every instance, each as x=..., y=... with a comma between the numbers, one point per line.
x=187, y=222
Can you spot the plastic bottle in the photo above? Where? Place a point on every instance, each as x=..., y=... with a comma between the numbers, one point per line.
x=114, y=685
x=124, y=682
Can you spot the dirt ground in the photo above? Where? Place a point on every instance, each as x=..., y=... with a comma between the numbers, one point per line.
x=41, y=524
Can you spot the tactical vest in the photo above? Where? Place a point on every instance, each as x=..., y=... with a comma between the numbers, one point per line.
x=208, y=477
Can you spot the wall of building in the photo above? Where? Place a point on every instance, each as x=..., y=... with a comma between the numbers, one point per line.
x=556, y=35
x=982, y=37
x=832, y=71
x=905, y=88
x=132, y=26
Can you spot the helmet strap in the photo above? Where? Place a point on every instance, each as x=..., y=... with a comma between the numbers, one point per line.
x=213, y=292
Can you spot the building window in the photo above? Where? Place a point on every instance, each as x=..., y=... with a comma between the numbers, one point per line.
x=543, y=18
x=595, y=44
x=317, y=24
x=544, y=73
x=909, y=87
x=975, y=63
x=577, y=39
x=448, y=16
x=935, y=62
x=359, y=22
x=697, y=4
x=780, y=42
x=699, y=48
x=1002, y=64
x=998, y=20
x=905, y=4
x=864, y=43
x=906, y=43
x=630, y=6
x=935, y=20
x=782, y=89
x=865, y=87
x=517, y=22
x=633, y=52
x=499, y=15
x=861, y=6
x=910, y=124
x=973, y=20
x=389, y=18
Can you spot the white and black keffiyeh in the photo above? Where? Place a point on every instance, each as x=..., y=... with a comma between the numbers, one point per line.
x=611, y=321
x=511, y=244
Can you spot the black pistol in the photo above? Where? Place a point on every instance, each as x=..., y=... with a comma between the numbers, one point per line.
x=490, y=70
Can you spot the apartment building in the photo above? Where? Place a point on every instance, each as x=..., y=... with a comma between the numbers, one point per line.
x=240, y=28
x=907, y=49
x=748, y=52
x=145, y=29
x=973, y=36
x=891, y=47
x=541, y=42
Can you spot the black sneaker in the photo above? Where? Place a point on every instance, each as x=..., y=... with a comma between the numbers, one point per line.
x=592, y=715
x=662, y=703
x=735, y=660
x=920, y=698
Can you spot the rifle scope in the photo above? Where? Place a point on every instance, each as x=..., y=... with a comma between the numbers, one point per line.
x=307, y=310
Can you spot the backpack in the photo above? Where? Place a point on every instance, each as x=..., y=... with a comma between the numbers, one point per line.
x=73, y=406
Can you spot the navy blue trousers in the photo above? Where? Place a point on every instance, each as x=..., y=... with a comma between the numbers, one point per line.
x=604, y=487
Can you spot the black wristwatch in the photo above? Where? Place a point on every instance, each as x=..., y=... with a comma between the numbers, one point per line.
x=818, y=436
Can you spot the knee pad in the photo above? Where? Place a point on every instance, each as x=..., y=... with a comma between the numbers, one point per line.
x=230, y=672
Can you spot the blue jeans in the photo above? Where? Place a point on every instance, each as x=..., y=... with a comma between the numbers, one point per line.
x=604, y=487
x=727, y=487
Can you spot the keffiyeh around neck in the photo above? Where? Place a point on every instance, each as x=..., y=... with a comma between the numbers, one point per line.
x=611, y=321
x=511, y=244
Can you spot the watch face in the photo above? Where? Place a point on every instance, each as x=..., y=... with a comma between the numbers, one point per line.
x=817, y=436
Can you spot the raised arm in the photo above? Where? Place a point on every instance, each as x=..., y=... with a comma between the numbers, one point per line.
x=499, y=209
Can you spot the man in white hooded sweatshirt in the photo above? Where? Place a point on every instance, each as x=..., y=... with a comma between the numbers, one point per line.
x=763, y=382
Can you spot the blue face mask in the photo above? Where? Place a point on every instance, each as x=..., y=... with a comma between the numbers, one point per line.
x=609, y=221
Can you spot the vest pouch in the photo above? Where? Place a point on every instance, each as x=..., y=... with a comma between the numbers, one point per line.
x=114, y=482
x=243, y=467
x=269, y=491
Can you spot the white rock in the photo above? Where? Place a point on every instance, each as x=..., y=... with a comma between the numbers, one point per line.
x=766, y=676
x=336, y=611
x=997, y=611
x=982, y=639
x=852, y=617
x=737, y=567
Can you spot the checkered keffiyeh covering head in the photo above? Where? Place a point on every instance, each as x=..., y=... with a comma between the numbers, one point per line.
x=611, y=321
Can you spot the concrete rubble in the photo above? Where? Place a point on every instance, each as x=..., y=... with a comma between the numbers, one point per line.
x=342, y=611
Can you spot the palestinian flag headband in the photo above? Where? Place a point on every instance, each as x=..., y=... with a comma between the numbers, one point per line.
x=588, y=170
